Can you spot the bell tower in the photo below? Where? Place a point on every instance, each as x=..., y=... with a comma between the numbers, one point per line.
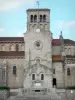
x=38, y=18
x=38, y=51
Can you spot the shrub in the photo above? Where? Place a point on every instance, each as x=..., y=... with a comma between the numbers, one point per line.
x=70, y=87
x=4, y=88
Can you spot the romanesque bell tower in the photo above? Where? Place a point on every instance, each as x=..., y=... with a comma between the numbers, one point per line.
x=38, y=18
x=38, y=52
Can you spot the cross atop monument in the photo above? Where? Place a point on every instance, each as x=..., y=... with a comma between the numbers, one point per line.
x=37, y=2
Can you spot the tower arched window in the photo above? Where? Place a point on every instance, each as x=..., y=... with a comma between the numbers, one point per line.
x=40, y=18
x=33, y=76
x=68, y=71
x=35, y=18
x=31, y=18
x=14, y=70
x=42, y=76
x=44, y=18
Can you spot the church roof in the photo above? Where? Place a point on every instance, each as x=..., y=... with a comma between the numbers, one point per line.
x=40, y=9
x=66, y=41
x=21, y=39
x=56, y=42
x=17, y=39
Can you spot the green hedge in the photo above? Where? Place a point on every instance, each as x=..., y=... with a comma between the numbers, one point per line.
x=4, y=88
x=70, y=87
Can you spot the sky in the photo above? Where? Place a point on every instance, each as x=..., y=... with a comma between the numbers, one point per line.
x=13, y=17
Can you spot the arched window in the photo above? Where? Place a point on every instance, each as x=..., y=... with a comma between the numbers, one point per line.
x=14, y=70
x=65, y=51
x=31, y=18
x=35, y=18
x=68, y=71
x=44, y=18
x=42, y=76
x=54, y=82
x=33, y=76
x=40, y=18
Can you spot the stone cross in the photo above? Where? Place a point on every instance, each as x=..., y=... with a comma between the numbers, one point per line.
x=37, y=3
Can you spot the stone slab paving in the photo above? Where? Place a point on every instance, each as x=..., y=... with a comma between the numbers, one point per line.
x=36, y=97
x=31, y=98
x=52, y=96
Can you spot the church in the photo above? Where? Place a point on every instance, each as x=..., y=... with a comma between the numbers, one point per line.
x=36, y=61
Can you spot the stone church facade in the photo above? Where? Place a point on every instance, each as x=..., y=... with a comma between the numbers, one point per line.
x=37, y=61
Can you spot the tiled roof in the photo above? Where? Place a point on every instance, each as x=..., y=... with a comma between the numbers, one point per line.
x=56, y=42
x=11, y=53
x=32, y=9
x=21, y=39
x=56, y=58
x=66, y=41
x=12, y=39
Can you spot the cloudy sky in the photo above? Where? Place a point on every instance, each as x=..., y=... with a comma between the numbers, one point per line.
x=13, y=17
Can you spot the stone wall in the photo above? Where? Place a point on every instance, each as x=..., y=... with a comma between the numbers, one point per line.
x=70, y=79
x=56, y=50
x=10, y=79
x=15, y=80
x=59, y=74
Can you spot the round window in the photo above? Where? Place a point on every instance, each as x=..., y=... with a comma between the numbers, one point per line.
x=38, y=44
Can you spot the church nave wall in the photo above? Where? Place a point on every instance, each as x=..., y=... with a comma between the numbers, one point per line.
x=58, y=74
x=15, y=76
x=70, y=75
